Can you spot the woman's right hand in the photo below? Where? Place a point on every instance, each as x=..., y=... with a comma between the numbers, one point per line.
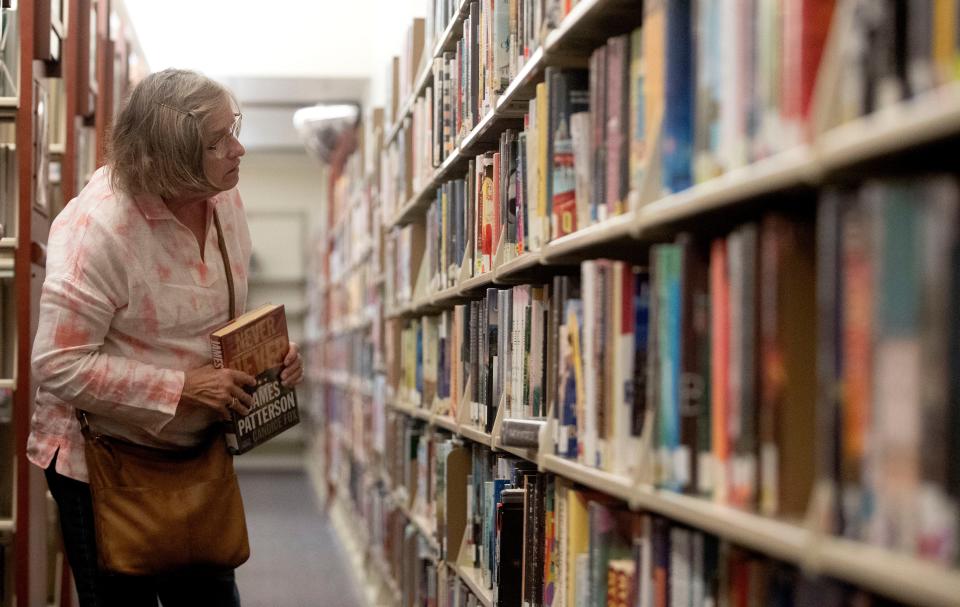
x=218, y=389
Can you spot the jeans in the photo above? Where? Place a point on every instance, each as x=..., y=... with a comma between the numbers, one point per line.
x=97, y=588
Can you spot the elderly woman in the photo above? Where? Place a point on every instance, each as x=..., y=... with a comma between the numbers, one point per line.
x=135, y=284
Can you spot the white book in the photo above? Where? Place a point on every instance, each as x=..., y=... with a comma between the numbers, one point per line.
x=587, y=418
x=580, y=133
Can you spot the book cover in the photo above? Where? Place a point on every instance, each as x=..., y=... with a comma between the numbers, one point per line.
x=829, y=353
x=540, y=223
x=668, y=259
x=677, y=143
x=638, y=126
x=694, y=323
x=568, y=94
x=792, y=378
x=256, y=343
x=510, y=522
x=706, y=163
x=598, y=134
x=654, y=34
x=719, y=368
x=617, y=124
x=578, y=541
x=582, y=162
x=487, y=202
x=637, y=401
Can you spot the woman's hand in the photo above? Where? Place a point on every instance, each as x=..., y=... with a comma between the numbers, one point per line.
x=218, y=389
x=292, y=373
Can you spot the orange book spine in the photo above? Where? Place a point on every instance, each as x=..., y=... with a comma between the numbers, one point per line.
x=719, y=361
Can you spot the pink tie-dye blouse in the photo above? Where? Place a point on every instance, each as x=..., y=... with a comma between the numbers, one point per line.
x=127, y=306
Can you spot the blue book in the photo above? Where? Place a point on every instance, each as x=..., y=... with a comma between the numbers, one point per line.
x=641, y=341
x=567, y=439
x=419, y=372
x=498, y=486
x=677, y=142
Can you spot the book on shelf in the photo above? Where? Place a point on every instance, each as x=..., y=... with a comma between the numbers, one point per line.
x=256, y=343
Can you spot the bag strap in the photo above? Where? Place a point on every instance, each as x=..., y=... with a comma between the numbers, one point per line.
x=226, y=263
x=81, y=415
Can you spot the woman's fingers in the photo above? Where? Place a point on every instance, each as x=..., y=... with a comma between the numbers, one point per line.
x=291, y=373
x=242, y=379
x=293, y=353
x=240, y=401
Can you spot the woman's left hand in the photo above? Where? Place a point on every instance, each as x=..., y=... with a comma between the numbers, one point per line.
x=292, y=373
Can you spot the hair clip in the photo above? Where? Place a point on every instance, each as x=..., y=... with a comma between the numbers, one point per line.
x=175, y=109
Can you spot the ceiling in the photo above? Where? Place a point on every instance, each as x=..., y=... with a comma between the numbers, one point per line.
x=277, y=56
x=286, y=38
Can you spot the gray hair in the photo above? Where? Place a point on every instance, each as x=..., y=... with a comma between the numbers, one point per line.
x=156, y=145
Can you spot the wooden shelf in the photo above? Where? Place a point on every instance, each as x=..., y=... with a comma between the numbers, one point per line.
x=476, y=283
x=588, y=26
x=583, y=243
x=611, y=484
x=901, y=577
x=473, y=578
x=446, y=298
x=8, y=384
x=475, y=434
x=524, y=86
x=447, y=42
x=929, y=117
x=792, y=169
x=418, y=203
x=447, y=423
x=518, y=269
x=424, y=77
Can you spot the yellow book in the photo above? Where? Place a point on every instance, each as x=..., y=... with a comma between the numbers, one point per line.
x=541, y=225
x=945, y=56
x=654, y=66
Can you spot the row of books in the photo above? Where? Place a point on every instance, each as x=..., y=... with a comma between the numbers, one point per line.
x=697, y=372
x=9, y=51
x=699, y=89
x=405, y=550
x=896, y=50
x=8, y=191
x=537, y=539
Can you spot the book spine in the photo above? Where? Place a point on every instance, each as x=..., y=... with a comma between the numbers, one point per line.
x=230, y=426
x=679, y=97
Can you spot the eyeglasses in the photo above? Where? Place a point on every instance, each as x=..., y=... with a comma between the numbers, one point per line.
x=221, y=146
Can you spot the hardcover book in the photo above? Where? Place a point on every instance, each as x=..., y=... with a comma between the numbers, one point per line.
x=256, y=343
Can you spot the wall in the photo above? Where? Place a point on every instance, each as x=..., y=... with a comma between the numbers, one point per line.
x=281, y=191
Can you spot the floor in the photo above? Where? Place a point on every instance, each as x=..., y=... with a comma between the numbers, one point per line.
x=296, y=560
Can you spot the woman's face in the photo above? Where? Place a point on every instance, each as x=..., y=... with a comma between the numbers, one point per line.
x=222, y=150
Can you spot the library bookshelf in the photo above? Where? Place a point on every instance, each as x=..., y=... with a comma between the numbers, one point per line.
x=52, y=123
x=385, y=393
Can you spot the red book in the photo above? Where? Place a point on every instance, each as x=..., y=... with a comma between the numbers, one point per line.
x=720, y=360
x=806, y=25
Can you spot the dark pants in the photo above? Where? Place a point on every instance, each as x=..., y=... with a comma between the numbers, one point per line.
x=100, y=589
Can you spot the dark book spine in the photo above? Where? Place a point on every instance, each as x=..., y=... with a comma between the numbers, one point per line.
x=641, y=347
x=679, y=98
x=693, y=396
x=829, y=359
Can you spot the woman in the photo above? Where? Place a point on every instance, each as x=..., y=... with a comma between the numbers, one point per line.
x=135, y=284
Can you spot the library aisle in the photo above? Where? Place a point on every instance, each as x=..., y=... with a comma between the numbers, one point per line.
x=602, y=303
x=296, y=560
